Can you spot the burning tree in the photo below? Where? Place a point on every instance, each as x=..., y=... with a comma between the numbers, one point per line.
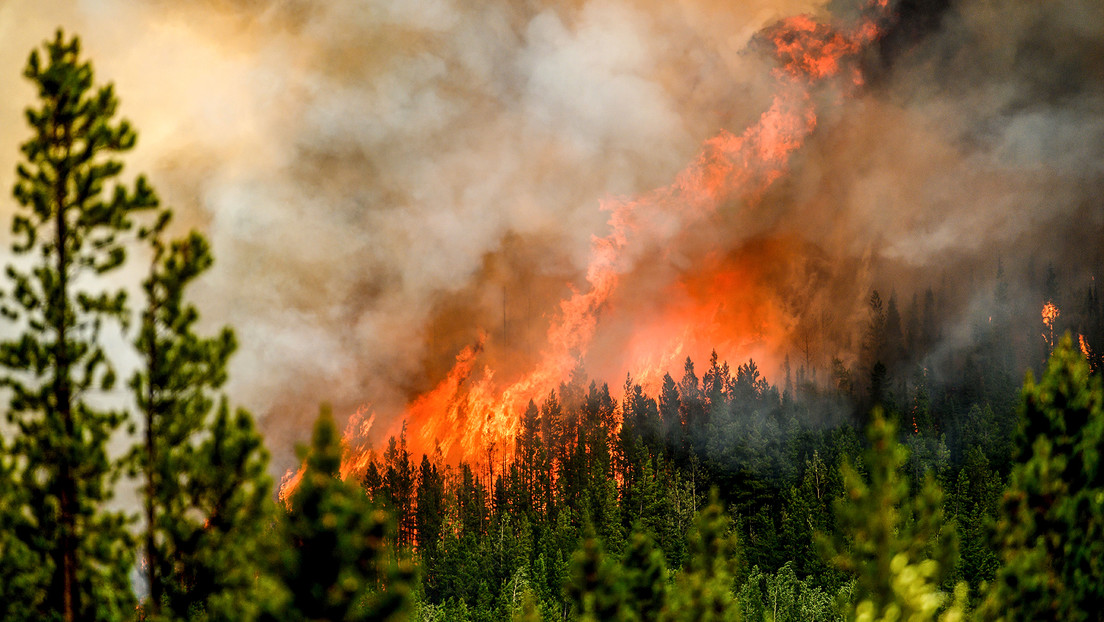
x=335, y=565
x=74, y=212
x=1050, y=313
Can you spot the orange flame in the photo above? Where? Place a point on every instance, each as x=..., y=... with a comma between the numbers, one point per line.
x=356, y=443
x=288, y=483
x=356, y=453
x=466, y=413
x=1050, y=313
x=1086, y=350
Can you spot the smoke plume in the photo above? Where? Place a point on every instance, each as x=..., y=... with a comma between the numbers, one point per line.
x=384, y=181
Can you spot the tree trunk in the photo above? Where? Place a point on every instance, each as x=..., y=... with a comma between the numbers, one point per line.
x=63, y=395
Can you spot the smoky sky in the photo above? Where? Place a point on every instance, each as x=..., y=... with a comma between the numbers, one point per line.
x=382, y=180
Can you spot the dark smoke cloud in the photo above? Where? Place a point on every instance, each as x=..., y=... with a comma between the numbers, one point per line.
x=381, y=180
x=979, y=139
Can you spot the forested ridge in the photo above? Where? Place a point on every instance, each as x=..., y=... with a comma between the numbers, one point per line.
x=907, y=484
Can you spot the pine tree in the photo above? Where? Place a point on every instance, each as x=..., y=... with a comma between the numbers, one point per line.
x=595, y=588
x=225, y=567
x=973, y=506
x=21, y=577
x=335, y=566
x=703, y=589
x=399, y=488
x=896, y=546
x=669, y=404
x=1051, y=534
x=430, y=520
x=691, y=400
x=527, y=452
x=202, y=503
x=645, y=577
x=73, y=213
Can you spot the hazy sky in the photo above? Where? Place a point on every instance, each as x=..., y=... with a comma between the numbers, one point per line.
x=377, y=175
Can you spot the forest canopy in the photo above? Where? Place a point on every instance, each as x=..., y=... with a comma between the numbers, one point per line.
x=875, y=490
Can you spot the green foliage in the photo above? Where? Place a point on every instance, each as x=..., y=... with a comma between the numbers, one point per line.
x=21, y=576
x=497, y=543
x=69, y=228
x=594, y=587
x=783, y=597
x=974, y=506
x=644, y=575
x=703, y=589
x=336, y=566
x=224, y=566
x=206, y=493
x=895, y=545
x=529, y=610
x=913, y=596
x=808, y=512
x=1051, y=537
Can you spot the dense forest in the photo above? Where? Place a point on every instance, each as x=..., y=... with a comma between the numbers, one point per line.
x=912, y=484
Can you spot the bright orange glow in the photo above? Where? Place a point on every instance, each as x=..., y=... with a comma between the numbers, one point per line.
x=725, y=304
x=1086, y=351
x=719, y=304
x=1050, y=313
x=716, y=307
x=355, y=455
x=288, y=483
x=356, y=443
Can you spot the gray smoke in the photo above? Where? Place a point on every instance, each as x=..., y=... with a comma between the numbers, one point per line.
x=383, y=179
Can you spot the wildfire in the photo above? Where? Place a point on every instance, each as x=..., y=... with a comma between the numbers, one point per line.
x=468, y=411
x=724, y=304
x=1086, y=350
x=1050, y=313
x=356, y=442
x=288, y=483
x=355, y=456
x=461, y=420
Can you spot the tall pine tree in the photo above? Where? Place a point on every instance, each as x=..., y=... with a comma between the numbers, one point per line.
x=68, y=234
x=206, y=493
x=1051, y=535
x=897, y=546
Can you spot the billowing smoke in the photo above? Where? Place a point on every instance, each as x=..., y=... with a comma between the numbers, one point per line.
x=977, y=147
x=385, y=180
